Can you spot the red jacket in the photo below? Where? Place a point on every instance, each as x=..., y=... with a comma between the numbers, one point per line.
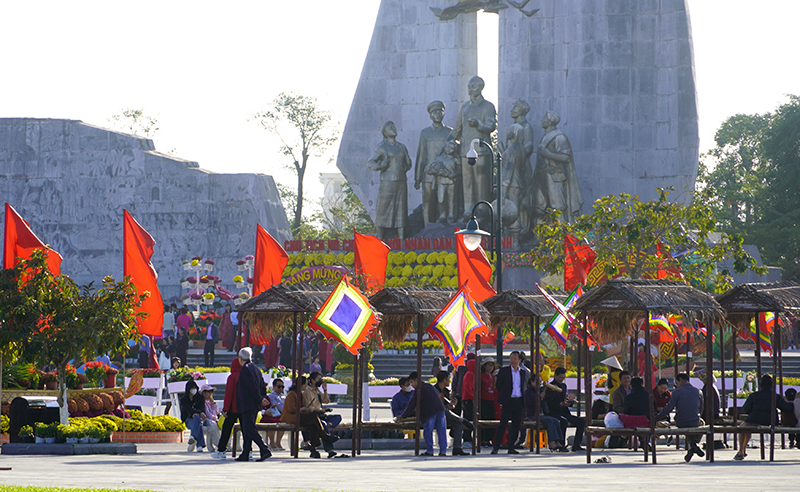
x=229, y=405
x=488, y=391
x=468, y=384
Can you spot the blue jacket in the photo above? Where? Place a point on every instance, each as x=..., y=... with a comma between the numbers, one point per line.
x=687, y=402
x=400, y=402
x=430, y=403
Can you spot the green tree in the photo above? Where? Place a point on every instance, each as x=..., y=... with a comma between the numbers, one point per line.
x=735, y=171
x=625, y=231
x=60, y=321
x=754, y=172
x=305, y=131
x=347, y=213
x=778, y=231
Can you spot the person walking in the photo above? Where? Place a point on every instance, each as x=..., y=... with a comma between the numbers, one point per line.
x=229, y=409
x=251, y=396
x=511, y=383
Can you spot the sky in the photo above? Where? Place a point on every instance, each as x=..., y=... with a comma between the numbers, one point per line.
x=203, y=70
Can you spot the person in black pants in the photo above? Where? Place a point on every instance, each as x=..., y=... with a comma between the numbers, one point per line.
x=212, y=337
x=229, y=410
x=251, y=397
x=511, y=383
x=559, y=404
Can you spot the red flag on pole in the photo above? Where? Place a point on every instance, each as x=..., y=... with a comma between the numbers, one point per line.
x=474, y=266
x=372, y=256
x=668, y=267
x=271, y=260
x=21, y=242
x=578, y=261
x=137, y=246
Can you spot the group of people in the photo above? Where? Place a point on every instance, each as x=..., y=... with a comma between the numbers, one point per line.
x=246, y=401
x=515, y=389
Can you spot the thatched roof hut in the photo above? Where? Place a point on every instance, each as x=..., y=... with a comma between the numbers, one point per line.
x=515, y=306
x=399, y=307
x=269, y=311
x=745, y=300
x=617, y=304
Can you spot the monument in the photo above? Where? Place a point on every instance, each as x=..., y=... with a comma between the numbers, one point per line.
x=72, y=180
x=619, y=74
x=431, y=143
x=391, y=159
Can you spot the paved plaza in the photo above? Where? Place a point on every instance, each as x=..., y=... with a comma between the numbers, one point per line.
x=170, y=467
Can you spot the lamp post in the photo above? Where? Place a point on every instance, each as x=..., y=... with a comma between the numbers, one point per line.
x=473, y=234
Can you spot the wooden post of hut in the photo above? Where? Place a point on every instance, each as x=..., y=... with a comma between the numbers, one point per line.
x=418, y=408
x=588, y=395
x=476, y=397
x=648, y=384
x=533, y=434
x=779, y=348
x=356, y=376
x=734, y=356
x=296, y=387
x=709, y=396
x=538, y=371
x=773, y=395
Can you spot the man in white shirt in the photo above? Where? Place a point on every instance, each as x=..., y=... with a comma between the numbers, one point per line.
x=168, y=327
x=510, y=384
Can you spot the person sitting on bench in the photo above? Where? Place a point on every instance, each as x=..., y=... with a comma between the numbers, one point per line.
x=758, y=409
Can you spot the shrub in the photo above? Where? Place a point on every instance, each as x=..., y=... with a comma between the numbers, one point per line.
x=108, y=402
x=152, y=425
x=5, y=424
x=170, y=423
x=26, y=431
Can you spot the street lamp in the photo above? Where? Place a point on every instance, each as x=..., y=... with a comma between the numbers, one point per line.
x=473, y=234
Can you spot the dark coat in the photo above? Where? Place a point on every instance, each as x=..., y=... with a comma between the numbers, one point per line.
x=430, y=403
x=191, y=405
x=554, y=399
x=637, y=402
x=757, y=407
x=504, y=383
x=250, y=389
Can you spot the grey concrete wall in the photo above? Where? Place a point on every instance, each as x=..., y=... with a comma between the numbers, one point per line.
x=71, y=182
x=621, y=75
x=413, y=59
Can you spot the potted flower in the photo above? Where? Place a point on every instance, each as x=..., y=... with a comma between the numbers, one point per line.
x=45, y=433
x=95, y=372
x=176, y=382
x=209, y=265
x=207, y=281
x=208, y=298
x=49, y=379
x=184, y=284
x=196, y=261
x=110, y=379
x=241, y=265
x=238, y=281
x=250, y=280
x=187, y=265
x=70, y=433
x=250, y=260
x=26, y=433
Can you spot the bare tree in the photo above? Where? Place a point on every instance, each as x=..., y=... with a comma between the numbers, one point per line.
x=135, y=122
x=304, y=129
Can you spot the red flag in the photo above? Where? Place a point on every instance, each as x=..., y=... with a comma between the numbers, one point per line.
x=271, y=260
x=668, y=267
x=372, y=255
x=137, y=246
x=21, y=242
x=474, y=266
x=578, y=261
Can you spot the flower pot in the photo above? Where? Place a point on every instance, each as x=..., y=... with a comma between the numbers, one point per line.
x=110, y=381
x=83, y=440
x=187, y=266
x=92, y=440
x=39, y=440
x=72, y=440
x=51, y=385
x=49, y=440
x=242, y=267
x=208, y=267
x=184, y=285
x=27, y=439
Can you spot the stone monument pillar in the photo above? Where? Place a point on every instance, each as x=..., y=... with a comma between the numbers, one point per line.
x=621, y=76
x=413, y=58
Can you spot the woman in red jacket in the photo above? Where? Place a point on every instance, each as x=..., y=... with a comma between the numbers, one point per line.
x=488, y=399
x=228, y=409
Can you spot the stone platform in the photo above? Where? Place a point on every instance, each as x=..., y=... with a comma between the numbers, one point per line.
x=68, y=449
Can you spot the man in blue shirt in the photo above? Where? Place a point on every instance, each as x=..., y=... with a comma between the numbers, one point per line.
x=401, y=398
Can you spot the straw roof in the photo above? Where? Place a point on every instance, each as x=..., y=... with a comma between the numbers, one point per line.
x=269, y=311
x=513, y=306
x=617, y=304
x=399, y=307
x=745, y=300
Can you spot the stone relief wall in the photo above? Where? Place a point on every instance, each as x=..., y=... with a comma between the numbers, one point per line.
x=621, y=75
x=414, y=58
x=71, y=182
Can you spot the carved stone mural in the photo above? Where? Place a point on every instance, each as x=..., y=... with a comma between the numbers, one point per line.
x=71, y=182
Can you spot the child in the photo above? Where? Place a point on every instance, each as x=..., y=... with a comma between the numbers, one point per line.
x=211, y=423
